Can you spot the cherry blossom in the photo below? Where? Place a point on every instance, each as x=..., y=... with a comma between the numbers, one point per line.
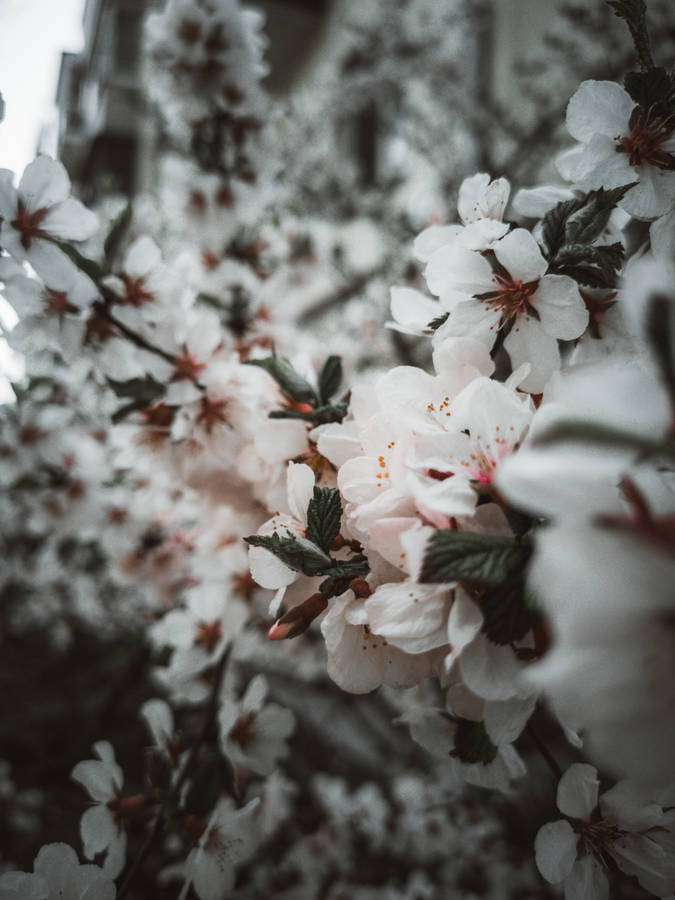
x=58, y=875
x=619, y=146
x=39, y=212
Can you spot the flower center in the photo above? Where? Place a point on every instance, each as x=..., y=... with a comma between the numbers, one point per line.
x=57, y=303
x=186, y=366
x=211, y=413
x=209, y=634
x=135, y=291
x=28, y=223
x=644, y=141
x=511, y=296
x=243, y=730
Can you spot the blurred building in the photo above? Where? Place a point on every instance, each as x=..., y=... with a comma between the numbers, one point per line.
x=106, y=137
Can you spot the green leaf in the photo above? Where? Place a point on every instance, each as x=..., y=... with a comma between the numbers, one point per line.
x=324, y=514
x=88, y=266
x=141, y=392
x=634, y=14
x=330, y=378
x=296, y=552
x=319, y=416
x=290, y=382
x=436, y=323
x=653, y=89
x=553, y=225
x=507, y=615
x=472, y=743
x=116, y=234
x=659, y=327
x=586, y=224
x=478, y=559
x=590, y=265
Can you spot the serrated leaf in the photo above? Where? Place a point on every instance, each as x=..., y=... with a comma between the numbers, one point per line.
x=330, y=378
x=634, y=13
x=296, y=552
x=590, y=265
x=586, y=224
x=477, y=559
x=436, y=323
x=553, y=225
x=319, y=416
x=324, y=515
x=116, y=234
x=507, y=617
x=290, y=381
x=653, y=88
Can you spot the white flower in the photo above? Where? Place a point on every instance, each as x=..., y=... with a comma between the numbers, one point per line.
x=253, y=733
x=634, y=831
x=42, y=209
x=267, y=569
x=99, y=827
x=58, y=875
x=483, y=297
x=618, y=147
x=230, y=837
x=360, y=660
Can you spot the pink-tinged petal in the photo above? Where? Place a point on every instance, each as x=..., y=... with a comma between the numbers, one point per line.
x=70, y=221
x=598, y=107
x=455, y=268
x=268, y=571
x=406, y=390
x=528, y=342
x=44, y=183
x=278, y=441
x=520, y=255
x=480, y=198
x=300, y=486
x=386, y=539
x=555, y=850
x=338, y=442
x=97, y=829
x=409, y=615
x=587, y=881
x=141, y=257
x=434, y=237
x=451, y=497
x=412, y=309
x=562, y=312
x=357, y=479
x=577, y=794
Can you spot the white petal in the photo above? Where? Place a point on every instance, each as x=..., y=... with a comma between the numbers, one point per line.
x=587, y=881
x=479, y=198
x=44, y=183
x=505, y=720
x=528, y=342
x=464, y=622
x=577, y=794
x=555, y=850
x=142, y=256
x=159, y=719
x=562, y=312
x=520, y=255
x=456, y=268
x=97, y=829
x=300, y=486
x=268, y=571
x=70, y=221
x=412, y=309
x=429, y=240
x=598, y=107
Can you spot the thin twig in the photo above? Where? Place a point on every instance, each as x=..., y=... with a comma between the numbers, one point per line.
x=545, y=752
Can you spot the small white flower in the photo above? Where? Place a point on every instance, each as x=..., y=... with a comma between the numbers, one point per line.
x=58, y=875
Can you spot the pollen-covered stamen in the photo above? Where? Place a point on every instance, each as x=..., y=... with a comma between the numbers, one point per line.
x=212, y=413
x=57, y=303
x=28, y=223
x=135, y=292
x=644, y=142
x=511, y=296
x=209, y=635
x=597, y=836
x=186, y=366
x=437, y=475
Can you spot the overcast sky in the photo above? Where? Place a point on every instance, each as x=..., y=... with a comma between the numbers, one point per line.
x=32, y=35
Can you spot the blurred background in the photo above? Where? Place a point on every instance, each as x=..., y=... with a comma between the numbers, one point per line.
x=379, y=110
